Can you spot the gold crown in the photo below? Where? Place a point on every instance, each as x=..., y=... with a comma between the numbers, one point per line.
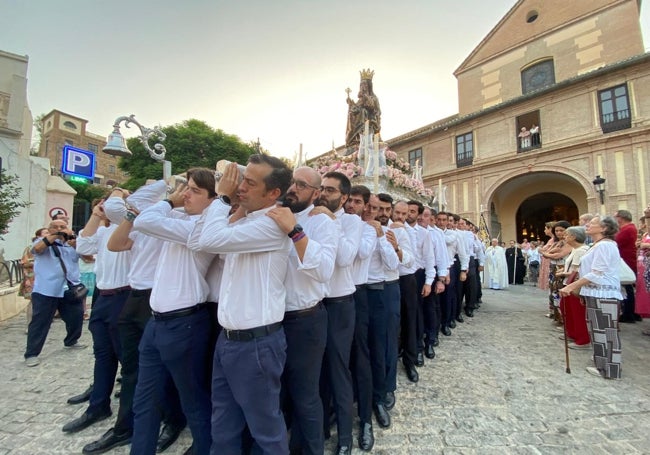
x=366, y=75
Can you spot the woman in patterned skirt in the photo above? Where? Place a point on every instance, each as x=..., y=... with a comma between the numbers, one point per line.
x=599, y=286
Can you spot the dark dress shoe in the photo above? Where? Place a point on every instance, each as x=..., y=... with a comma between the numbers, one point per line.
x=452, y=324
x=107, y=442
x=446, y=331
x=460, y=318
x=382, y=416
x=429, y=351
x=625, y=318
x=168, y=435
x=469, y=313
x=366, y=437
x=419, y=359
x=189, y=451
x=390, y=400
x=412, y=373
x=85, y=396
x=436, y=342
x=343, y=450
x=637, y=317
x=84, y=421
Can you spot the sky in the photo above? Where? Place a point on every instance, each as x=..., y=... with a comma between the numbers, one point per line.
x=276, y=70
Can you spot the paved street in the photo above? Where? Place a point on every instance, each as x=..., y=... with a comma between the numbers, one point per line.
x=498, y=385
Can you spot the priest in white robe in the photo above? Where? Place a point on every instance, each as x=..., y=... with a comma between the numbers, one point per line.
x=496, y=268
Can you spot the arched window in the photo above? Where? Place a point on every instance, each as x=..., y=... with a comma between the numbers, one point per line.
x=537, y=76
x=69, y=124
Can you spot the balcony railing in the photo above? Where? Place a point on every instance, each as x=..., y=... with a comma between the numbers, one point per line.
x=615, y=121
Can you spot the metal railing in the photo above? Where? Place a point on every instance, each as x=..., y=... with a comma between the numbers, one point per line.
x=11, y=273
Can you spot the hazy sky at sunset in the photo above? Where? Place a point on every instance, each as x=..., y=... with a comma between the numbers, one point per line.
x=273, y=69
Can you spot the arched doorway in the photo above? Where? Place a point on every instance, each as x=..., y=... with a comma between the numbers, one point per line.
x=531, y=199
x=540, y=208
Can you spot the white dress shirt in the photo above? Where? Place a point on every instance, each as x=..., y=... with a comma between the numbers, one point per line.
x=383, y=258
x=456, y=247
x=342, y=283
x=403, y=243
x=257, y=252
x=362, y=260
x=179, y=280
x=443, y=262
x=416, y=260
x=145, y=250
x=307, y=282
x=111, y=268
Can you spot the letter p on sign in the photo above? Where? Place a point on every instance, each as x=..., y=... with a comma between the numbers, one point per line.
x=78, y=162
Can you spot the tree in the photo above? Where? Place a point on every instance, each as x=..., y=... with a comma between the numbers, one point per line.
x=10, y=204
x=192, y=143
x=38, y=124
x=88, y=192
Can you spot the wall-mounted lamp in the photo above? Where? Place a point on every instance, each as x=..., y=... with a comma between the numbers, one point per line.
x=599, y=185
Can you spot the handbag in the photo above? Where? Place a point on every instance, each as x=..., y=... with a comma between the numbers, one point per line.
x=74, y=291
x=625, y=274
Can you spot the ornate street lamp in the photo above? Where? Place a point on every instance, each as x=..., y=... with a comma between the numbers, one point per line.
x=599, y=185
x=116, y=145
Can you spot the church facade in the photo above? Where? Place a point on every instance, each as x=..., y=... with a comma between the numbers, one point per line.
x=555, y=97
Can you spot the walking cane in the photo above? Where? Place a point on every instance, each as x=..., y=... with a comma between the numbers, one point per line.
x=566, y=338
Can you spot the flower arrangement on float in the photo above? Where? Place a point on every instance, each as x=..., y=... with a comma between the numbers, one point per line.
x=397, y=171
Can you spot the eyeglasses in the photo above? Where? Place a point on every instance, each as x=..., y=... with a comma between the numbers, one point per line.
x=303, y=185
x=329, y=190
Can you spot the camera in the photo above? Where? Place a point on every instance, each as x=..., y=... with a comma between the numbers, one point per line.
x=65, y=236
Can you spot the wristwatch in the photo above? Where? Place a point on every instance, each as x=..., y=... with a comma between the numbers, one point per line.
x=130, y=216
x=225, y=199
x=297, y=229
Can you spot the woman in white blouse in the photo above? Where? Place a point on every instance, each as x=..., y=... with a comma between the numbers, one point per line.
x=600, y=289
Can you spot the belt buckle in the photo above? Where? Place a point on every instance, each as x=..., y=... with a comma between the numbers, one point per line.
x=227, y=333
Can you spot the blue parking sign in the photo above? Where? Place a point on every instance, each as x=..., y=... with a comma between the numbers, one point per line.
x=78, y=162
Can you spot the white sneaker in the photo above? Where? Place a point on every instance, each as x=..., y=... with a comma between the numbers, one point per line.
x=594, y=371
x=579, y=346
x=32, y=361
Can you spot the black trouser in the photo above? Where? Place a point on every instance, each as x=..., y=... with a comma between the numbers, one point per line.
x=306, y=335
x=130, y=325
x=420, y=278
x=336, y=364
x=469, y=288
x=377, y=333
x=361, y=372
x=432, y=316
x=629, y=302
x=409, y=318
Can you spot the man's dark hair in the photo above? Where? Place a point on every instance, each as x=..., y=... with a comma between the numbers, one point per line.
x=419, y=204
x=344, y=182
x=361, y=190
x=455, y=217
x=384, y=197
x=203, y=178
x=280, y=177
x=625, y=214
x=447, y=214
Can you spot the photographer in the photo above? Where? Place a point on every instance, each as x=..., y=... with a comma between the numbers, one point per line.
x=49, y=293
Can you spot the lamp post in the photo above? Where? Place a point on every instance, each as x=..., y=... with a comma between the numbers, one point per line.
x=116, y=144
x=599, y=185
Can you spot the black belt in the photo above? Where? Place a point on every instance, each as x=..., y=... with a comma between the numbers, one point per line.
x=114, y=291
x=361, y=286
x=392, y=282
x=251, y=334
x=295, y=314
x=168, y=315
x=140, y=292
x=342, y=299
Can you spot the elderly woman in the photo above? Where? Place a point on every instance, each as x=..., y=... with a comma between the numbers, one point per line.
x=600, y=288
x=573, y=310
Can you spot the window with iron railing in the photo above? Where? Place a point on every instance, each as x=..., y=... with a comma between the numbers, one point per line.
x=614, y=109
x=464, y=149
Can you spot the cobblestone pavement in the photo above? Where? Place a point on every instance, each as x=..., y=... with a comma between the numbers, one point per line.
x=498, y=385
